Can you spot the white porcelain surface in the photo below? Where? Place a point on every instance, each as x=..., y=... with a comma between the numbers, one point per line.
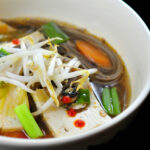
x=120, y=26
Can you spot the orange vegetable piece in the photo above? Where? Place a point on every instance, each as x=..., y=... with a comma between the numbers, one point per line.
x=93, y=54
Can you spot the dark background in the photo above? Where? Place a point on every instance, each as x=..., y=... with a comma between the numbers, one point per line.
x=137, y=134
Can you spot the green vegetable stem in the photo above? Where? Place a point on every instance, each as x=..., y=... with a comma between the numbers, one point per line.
x=28, y=122
x=110, y=101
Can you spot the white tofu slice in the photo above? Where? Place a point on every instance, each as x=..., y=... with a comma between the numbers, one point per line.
x=10, y=124
x=61, y=125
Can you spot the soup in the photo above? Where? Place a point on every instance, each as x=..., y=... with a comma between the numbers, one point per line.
x=57, y=80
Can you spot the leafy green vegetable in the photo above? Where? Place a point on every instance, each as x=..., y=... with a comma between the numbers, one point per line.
x=28, y=122
x=51, y=30
x=3, y=52
x=83, y=97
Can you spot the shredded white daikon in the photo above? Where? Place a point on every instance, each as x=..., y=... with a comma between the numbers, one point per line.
x=18, y=77
x=17, y=83
x=52, y=66
x=72, y=62
x=44, y=107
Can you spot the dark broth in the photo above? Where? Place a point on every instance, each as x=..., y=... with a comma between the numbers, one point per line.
x=26, y=26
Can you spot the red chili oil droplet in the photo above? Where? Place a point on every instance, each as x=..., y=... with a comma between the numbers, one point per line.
x=71, y=112
x=16, y=41
x=79, y=123
x=66, y=99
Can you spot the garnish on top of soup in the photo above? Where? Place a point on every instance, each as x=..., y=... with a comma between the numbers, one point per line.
x=57, y=80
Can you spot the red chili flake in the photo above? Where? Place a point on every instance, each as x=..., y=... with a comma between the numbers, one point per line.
x=71, y=112
x=66, y=99
x=79, y=123
x=16, y=41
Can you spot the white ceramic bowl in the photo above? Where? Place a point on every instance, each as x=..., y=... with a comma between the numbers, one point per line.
x=121, y=27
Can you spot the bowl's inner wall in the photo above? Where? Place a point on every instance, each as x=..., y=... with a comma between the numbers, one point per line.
x=103, y=18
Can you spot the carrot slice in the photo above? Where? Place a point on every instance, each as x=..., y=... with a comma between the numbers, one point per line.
x=93, y=54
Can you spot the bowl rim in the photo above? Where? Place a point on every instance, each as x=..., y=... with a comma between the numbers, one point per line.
x=63, y=140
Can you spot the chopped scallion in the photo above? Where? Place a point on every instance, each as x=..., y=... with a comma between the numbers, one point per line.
x=106, y=100
x=115, y=101
x=83, y=97
x=110, y=100
x=28, y=122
